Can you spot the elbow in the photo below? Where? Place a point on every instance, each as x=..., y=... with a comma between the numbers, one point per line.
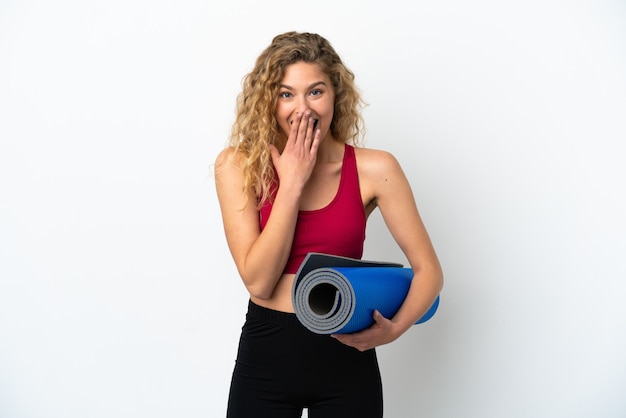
x=440, y=283
x=259, y=289
x=433, y=274
x=439, y=276
x=260, y=292
x=259, y=284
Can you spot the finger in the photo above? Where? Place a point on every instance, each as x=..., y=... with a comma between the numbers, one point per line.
x=310, y=133
x=293, y=132
x=380, y=320
x=303, y=125
x=317, y=136
x=378, y=317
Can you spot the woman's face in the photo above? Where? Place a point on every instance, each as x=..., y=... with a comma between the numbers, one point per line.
x=305, y=87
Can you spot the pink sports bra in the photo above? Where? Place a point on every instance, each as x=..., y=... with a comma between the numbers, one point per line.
x=337, y=229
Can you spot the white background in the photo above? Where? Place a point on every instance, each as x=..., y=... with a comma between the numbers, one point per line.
x=118, y=297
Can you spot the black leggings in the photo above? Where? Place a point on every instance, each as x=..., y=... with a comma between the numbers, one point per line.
x=282, y=368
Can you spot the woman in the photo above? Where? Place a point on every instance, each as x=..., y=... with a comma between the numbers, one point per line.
x=291, y=182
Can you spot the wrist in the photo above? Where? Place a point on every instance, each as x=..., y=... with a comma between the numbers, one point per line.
x=398, y=328
x=289, y=193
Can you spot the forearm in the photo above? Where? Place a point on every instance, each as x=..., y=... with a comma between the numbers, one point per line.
x=266, y=259
x=425, y=287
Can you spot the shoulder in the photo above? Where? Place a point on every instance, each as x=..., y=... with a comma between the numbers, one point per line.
x=230, y=180
x=228, y=161
x=229, y=171
x=375, y=162
x=228, y=155
x=380, y=175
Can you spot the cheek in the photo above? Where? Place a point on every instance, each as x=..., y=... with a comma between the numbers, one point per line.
x=284, y=128
x=281, y=118
x=328, y=116
x=328, y=110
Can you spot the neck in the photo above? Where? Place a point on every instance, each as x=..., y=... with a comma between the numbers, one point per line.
x=330, y=151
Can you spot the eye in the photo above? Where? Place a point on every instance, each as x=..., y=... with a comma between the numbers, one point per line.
x=285, y=95
x=316, y=92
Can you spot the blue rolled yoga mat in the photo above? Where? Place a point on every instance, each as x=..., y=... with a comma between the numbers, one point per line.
x=338, y=295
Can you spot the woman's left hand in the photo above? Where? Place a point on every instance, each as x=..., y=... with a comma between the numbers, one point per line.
x=383, y=331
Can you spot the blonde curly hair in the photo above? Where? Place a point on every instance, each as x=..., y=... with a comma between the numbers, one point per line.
x=255, y=126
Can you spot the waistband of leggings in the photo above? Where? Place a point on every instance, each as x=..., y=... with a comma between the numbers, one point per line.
x=271, y=316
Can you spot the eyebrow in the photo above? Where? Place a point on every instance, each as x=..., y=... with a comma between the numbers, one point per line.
x=317, y=83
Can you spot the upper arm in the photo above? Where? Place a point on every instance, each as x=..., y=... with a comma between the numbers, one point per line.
x=385, y=183
x=239, y=213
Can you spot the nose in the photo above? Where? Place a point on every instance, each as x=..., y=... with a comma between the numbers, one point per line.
x=302, y=105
